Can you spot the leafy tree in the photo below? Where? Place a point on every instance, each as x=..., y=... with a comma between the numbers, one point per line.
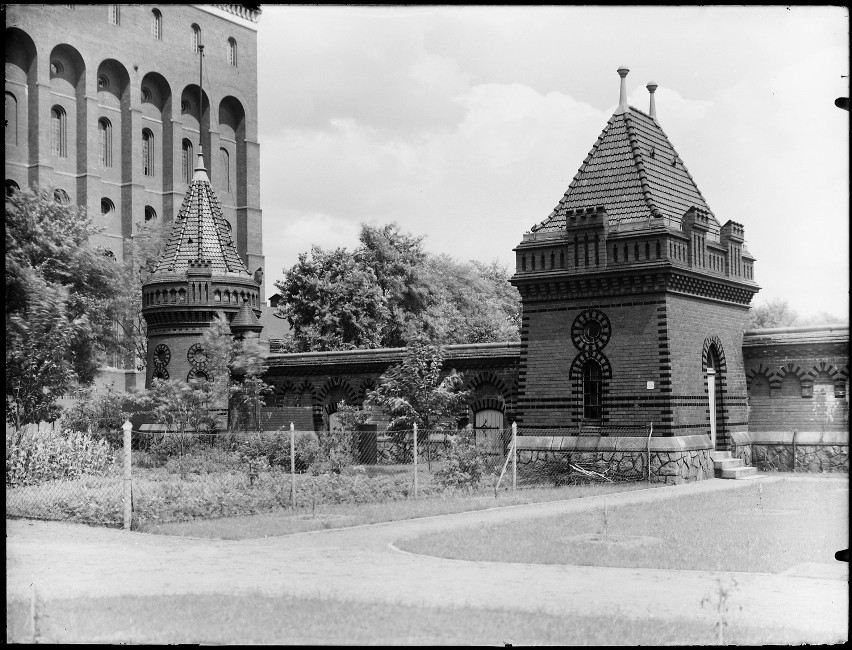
x=397, y=260
x=234, y=368
x=146, y=245
x=414, y=392
x=773, y=313
x=466, y=307
x=333, y=302
x=59, y=302
x=388, y=291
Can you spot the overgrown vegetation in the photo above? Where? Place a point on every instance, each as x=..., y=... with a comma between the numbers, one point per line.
x=36, y=456
x=465, y=464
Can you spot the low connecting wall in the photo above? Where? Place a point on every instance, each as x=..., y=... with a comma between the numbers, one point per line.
x=786, y=451
x=677, y=459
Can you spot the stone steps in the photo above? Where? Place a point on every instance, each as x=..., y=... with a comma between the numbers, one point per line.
x=724, y=466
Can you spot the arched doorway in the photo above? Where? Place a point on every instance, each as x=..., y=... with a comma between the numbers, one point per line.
x=714, y=361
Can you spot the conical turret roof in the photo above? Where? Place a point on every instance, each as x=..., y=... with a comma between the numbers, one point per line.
x=200, y=233
x=636, y=174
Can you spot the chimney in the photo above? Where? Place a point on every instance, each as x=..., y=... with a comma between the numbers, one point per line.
x=652, y=86
x=622, y=95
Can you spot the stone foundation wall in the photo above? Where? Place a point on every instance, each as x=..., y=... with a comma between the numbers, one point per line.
x=814, y=451
x=674, y=460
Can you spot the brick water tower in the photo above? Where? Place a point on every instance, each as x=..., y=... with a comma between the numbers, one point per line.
x=632, y=290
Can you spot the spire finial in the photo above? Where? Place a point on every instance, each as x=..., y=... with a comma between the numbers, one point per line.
x=622, y=93
x=652, y=111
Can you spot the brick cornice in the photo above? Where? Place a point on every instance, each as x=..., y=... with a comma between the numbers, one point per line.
x=655, y=279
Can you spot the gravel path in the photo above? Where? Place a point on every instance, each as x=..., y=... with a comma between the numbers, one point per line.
x=362, y=564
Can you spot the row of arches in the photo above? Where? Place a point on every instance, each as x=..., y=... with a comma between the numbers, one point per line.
x=791, y=380
x=488, y=393
x=166, y=121
x=199, y=294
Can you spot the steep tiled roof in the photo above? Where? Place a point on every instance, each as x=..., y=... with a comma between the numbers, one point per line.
x=245, y=320
x=635, y=173
x=200, y=232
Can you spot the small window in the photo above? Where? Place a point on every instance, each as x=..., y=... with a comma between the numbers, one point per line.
x=615, y=253
x=58, y=134
x=195, y=38
x=146, y=94
x=232, y=52
x=658, y=250
x=592, y=390
x=226, y=168
x=187, y=161
x=157, y=24
x=61, y=197
x=107, y=207
x=150, y=213
x=11, y=119
x=56, y=68
x=184, y=106
x=11, y=187
x=103, y=81
x=105, y=142
x=114, y=15
x=147, y=152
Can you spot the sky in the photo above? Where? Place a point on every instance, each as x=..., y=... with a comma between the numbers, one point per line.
x=466, y=125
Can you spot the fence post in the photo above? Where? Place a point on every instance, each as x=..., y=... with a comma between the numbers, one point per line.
x=128, y=485
x=292, y=466
x=415, y=460
x=514, y=456
x=650, y=433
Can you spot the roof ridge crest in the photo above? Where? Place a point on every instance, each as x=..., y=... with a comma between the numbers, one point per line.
x=633, y=138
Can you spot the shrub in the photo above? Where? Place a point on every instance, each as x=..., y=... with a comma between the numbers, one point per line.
x=464, y=465
x=337, y=450
x=100, y=413
x=275, y=448
x=34, y=456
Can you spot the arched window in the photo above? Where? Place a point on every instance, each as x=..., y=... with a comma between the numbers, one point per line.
x=759, y=386
x=232, y=52
x=147, y=152
x=61, y=196
x=196, y=37
x=11, y=119
x=150, y=213
x=157, y=24
x=105, y=142
x=107, y=207
x=187, y=161
x=58, y=132
x=226, y=168
x=11, y=187
x=114, y=15
x=592, y=390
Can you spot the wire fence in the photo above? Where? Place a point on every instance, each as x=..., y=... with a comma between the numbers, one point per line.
x=159, y=476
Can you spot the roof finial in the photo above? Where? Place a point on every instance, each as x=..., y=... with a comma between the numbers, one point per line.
x=652, y=86
x=622, y=94
x=200, y=170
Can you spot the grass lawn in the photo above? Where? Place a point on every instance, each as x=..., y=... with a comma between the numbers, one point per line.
x=255, y=619
x=766, y=527
x=285, y=522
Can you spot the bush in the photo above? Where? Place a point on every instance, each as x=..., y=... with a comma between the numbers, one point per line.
x=275, y=448
x=337, y=450
x=34, y=456
x=101, y=413
x=464, y=465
